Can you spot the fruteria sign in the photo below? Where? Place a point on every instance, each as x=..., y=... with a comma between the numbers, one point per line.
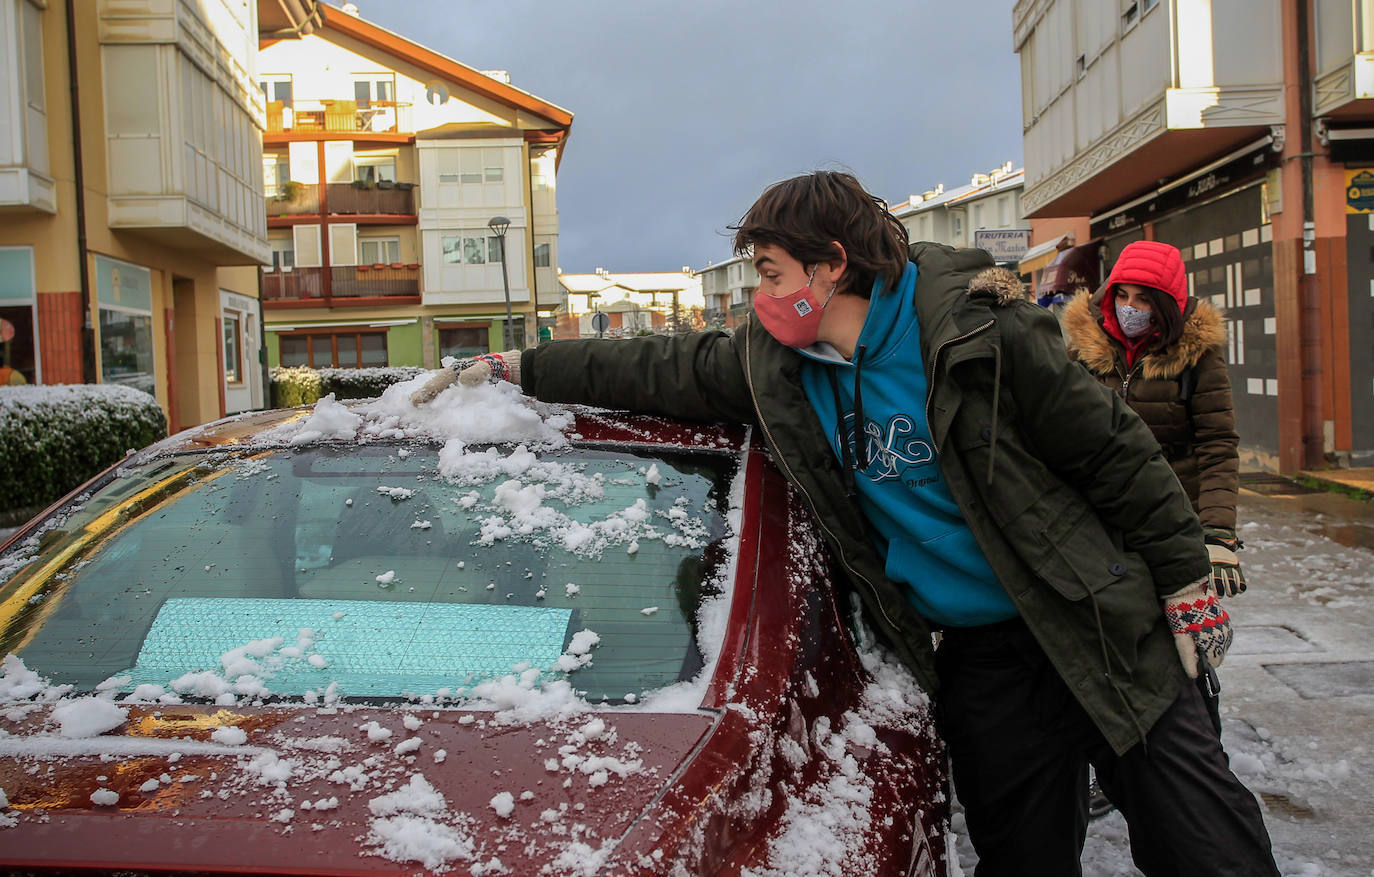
x=1003, y=244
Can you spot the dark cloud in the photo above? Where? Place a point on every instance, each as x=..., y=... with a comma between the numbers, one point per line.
x=684, y=112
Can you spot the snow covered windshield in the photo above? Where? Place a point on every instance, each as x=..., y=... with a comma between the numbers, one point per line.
x=378, y=571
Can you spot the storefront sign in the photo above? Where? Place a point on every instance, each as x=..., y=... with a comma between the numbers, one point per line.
x=1003, y=244
x=1241, y=169
x=123, y=285
x=1359, y=190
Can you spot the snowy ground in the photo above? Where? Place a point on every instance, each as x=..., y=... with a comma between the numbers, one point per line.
x=1307, y=751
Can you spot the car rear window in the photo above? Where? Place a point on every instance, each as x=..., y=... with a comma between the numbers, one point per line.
x=361, y=572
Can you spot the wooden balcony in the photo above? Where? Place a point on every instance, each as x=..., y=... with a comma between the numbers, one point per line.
x=398, y=199
x=350, y=118
x=293, y=199
x=376, y=281
x=345, y=285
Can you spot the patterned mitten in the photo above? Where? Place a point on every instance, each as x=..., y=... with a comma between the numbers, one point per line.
x=490, y=367
x=1199, y=624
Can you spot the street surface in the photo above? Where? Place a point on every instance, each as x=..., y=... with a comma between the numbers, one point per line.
x=1297, y=695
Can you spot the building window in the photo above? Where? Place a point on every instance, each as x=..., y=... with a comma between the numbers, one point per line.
x=471, y=249
x=373, y=168
x=1004, y=212
x=233, y=364
x=465, y=341
x=277, y=87
x=1130, y=14
x=372, y=88
x=541, y=255
x=33, y=56
x=379, y=251
x=343, y=349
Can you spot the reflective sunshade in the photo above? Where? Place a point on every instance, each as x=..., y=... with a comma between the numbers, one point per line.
x=283, y=572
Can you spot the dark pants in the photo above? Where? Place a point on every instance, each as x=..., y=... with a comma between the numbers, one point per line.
x=1021, y=744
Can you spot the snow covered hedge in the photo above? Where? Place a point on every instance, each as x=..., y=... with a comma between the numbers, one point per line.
x=52, y=438
x=305, y=386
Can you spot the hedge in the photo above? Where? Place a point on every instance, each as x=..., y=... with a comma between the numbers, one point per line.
x=53, y=438
x=304, y=386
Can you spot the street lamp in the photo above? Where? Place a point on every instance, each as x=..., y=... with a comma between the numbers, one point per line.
x=500, y=224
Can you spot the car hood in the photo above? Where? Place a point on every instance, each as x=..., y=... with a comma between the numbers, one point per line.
x=333, y=791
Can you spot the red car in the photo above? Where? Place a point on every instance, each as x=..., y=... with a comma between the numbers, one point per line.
x=298, y=644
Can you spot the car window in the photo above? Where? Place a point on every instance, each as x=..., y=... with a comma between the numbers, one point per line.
x=284, y=572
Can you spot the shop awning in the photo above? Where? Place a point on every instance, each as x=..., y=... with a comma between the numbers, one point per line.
x=1042, y=254
x=1071, y=270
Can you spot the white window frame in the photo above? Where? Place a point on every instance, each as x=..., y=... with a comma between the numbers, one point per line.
x=385, y=243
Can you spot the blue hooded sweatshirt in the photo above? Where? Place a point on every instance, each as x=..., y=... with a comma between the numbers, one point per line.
x=918, y=526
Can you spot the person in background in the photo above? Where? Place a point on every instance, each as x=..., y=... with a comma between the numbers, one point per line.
x=969, y=479
x=1161, y=352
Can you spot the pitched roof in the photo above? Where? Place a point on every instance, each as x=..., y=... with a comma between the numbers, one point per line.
x=427, y=59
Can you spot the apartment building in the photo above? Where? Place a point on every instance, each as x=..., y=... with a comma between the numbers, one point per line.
x=1242, y=132
x=630, y=303
x=986, y=213
x=131, y=217
x=728, y=291
x=406, y=192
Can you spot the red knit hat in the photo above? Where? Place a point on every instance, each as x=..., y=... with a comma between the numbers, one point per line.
x=1153, y=264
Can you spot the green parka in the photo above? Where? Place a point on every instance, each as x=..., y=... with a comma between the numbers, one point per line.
x=1183, y=393
x=1061, y=484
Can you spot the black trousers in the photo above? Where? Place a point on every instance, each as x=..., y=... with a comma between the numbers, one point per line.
x=1020, y=746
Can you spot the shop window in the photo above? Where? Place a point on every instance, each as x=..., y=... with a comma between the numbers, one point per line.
x=465, y=341
x=16, y=344
x=233, y=354
x=334, y=349
x=126, y=349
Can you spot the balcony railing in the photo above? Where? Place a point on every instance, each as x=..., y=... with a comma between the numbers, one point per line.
x=398, y=198
x=345, y=281
x=291, y=199
x=376, y=281
x=327, y=115
x=295, y=285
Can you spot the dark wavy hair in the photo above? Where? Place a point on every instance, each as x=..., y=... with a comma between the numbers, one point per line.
x=805, y=214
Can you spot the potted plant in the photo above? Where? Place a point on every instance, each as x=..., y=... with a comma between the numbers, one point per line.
x=362, y=184
x=405, y=187
x=288, y=191
x=386, y=184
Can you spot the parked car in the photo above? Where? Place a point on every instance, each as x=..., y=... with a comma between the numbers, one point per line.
x=329, y=642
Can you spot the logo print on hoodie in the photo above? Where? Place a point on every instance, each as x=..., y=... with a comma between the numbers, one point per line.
x=889, y=450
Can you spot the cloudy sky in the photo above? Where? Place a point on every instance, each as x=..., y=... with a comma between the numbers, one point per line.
x=685, y=111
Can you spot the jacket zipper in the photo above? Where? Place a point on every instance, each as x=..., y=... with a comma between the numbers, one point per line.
x=1126, y=382
x=930, y=378
x=820, y=521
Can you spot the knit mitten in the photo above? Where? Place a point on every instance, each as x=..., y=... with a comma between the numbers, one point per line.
x=471, y=372
x=1228, y=579
x=492, y=367
x=1200, y=625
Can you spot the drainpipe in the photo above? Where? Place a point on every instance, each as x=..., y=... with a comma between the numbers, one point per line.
x=87, y=330
x=1309, y=291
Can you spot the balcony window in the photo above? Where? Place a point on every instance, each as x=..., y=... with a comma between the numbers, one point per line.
x=373, y=88
x=372, y=169
x=471, y=249
x=541, y=255
x=277, y=88
x=379, y=251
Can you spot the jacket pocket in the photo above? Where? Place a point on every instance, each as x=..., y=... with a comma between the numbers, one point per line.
x=1079, y=558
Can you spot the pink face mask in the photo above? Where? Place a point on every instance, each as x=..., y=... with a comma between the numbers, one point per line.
x=794, y=320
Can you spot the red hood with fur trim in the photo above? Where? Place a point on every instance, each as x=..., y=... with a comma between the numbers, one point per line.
x=1145, y=263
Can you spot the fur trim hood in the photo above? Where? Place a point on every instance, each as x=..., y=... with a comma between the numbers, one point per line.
x=1003, y=284
x=1204, y=329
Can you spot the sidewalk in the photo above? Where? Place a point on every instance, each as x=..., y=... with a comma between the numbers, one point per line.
x=1359, y=479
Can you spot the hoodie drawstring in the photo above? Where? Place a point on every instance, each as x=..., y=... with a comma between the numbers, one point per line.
x=996, y=398
x=851, y=466
x=860, y=434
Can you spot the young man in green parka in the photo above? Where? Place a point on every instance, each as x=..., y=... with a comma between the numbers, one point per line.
x=969, y=479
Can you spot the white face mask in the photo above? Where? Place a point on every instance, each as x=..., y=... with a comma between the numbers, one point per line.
x=1133, y=321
